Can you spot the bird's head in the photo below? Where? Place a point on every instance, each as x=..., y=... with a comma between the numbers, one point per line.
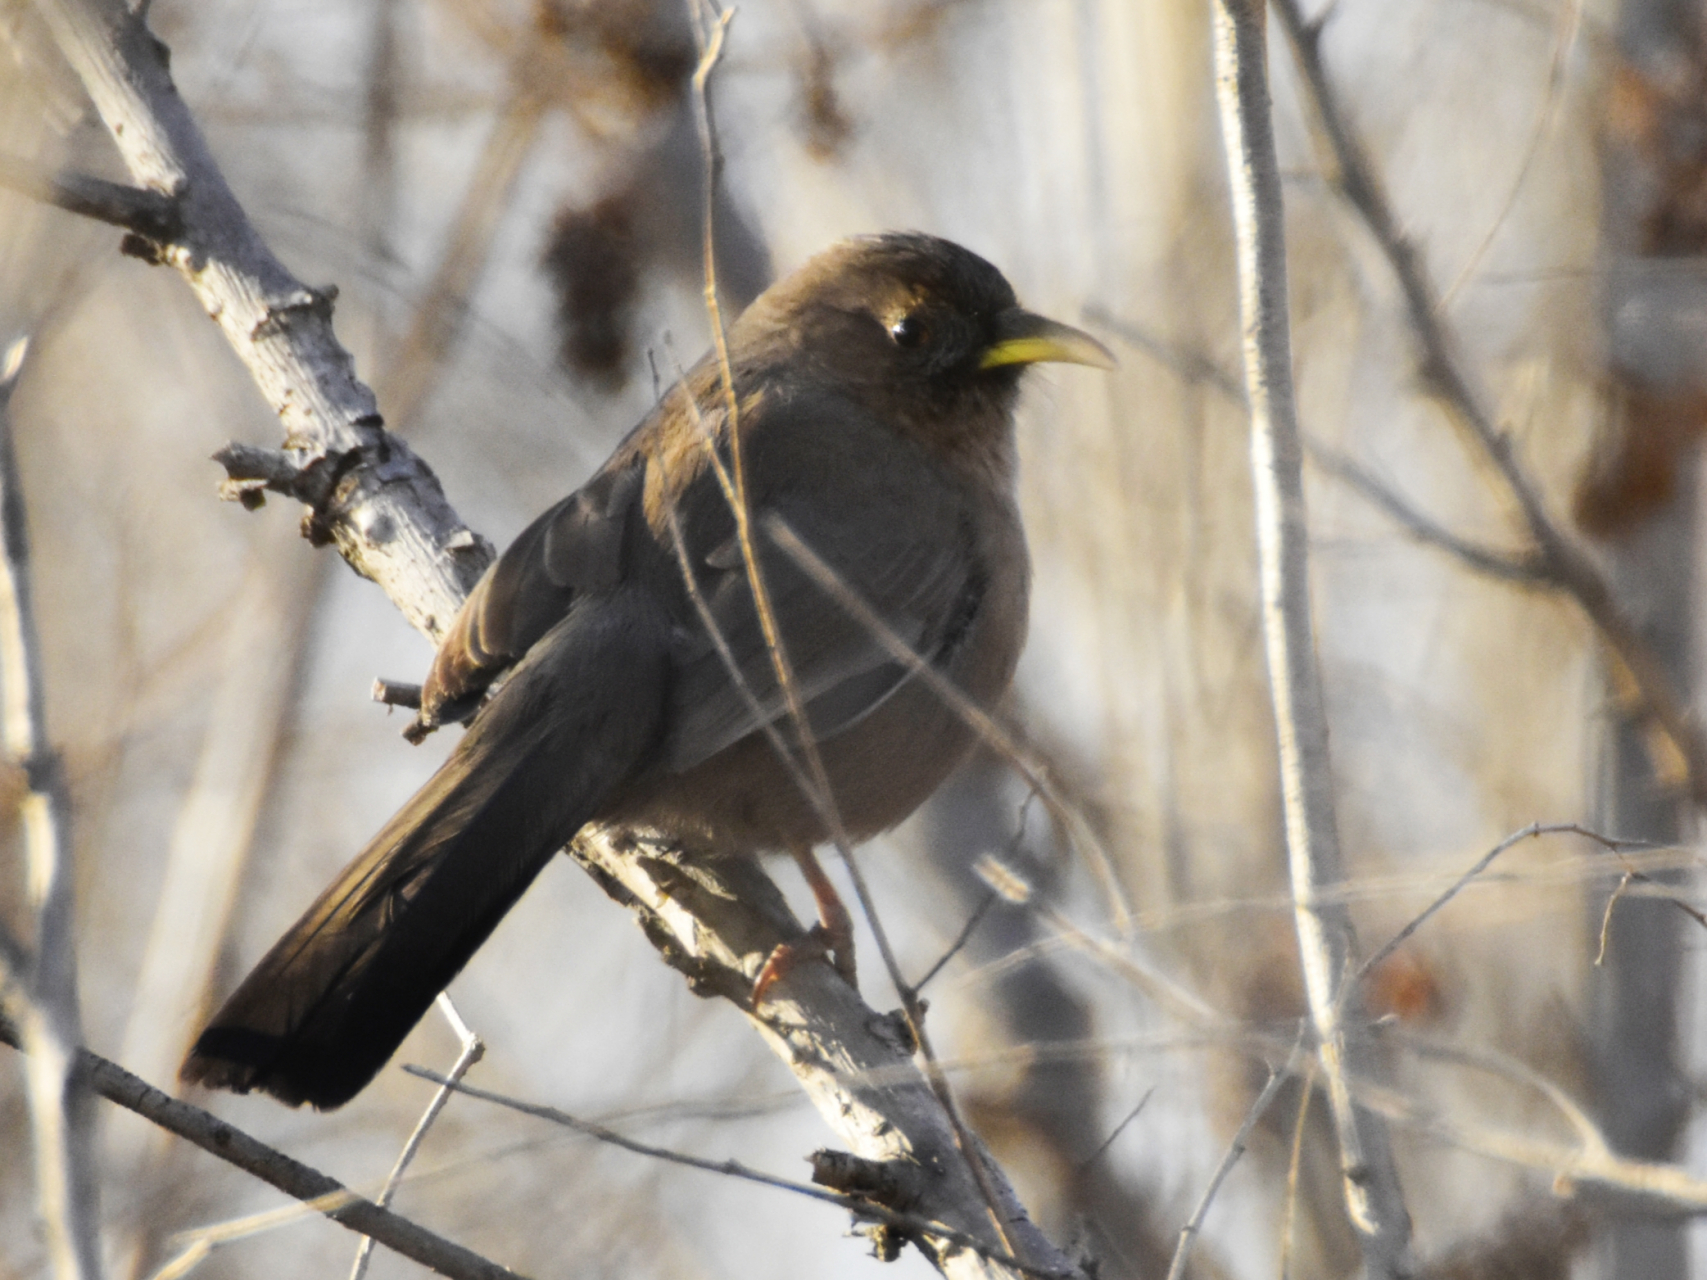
x=920, y=331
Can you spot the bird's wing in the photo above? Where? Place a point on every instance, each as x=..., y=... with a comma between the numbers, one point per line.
x=896, y=533
x=573, y=549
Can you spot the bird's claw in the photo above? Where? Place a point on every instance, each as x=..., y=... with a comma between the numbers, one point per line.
x=819, y=943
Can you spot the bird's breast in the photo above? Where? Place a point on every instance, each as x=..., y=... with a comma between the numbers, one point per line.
x=883, y=767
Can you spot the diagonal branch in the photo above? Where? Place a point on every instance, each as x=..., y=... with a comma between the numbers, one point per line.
x=370, y=495
x=322, y=1193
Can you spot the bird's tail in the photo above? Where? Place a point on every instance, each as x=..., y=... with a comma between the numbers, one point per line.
x=332, y=1000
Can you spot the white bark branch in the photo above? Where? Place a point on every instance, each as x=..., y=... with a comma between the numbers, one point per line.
x=366, y=490
x=1325, y=940
x=717, y=920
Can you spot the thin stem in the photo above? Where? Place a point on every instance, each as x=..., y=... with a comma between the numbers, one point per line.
x=1277, y=1076
x=50, y=1019
x=735, y=1169
x=473, y=1049
x=711, y=40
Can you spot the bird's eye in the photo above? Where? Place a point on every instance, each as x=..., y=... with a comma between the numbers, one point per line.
x=909, y=332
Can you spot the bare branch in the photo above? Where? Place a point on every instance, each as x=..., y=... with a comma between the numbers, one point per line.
x=380, y=504
x=1277, y=1076
x=147, y=213
x=1524, y=569
x=1533, y=831
x=1326, y=943
x=718, y=920
x=325, y=1195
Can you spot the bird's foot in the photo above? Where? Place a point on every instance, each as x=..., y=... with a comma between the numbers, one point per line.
x=821, y=942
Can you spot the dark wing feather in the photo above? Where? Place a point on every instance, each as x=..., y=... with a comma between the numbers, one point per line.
x=573, y=549
x=894, y=529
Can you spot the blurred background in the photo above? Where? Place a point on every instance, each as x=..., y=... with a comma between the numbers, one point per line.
x=507, y=196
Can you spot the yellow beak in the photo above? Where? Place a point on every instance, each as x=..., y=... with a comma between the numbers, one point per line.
x=1023, y=337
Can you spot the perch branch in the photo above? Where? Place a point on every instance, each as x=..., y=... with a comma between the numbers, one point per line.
x=379, y=503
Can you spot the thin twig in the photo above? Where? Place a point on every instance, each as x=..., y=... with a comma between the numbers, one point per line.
x=1369, y=1181
x=230, y=1144
x=1534, y=831
x=1664, y=892
x=1294, y=1163
x=424, y=352
x=66, y=1186
x=1114, y=1133
x=1277, y=1076
x=473, y=1049
x=975, y=717
x=711, y=38
x=1606, y=917
x=1552, y=103
x=1523, y=568
x=735, y=1169
x=961, y=939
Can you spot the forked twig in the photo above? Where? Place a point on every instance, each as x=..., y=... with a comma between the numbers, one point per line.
x=473, y=1049
x=1277, y=1076
x=1534, y=831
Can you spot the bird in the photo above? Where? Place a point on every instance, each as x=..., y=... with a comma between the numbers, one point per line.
x=613, y=663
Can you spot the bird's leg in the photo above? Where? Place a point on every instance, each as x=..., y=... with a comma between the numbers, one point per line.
x=831, y=938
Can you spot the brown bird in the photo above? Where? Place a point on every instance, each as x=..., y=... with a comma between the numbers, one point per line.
x=874, y=393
